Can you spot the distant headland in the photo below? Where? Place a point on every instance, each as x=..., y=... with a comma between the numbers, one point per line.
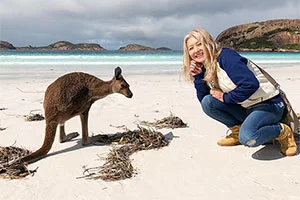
x=281, y=35
x=65, y=45
x=272, y=35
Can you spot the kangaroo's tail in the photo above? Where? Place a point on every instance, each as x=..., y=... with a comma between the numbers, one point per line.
x=48, y=142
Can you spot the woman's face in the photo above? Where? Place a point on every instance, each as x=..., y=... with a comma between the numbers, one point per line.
x=196, y=50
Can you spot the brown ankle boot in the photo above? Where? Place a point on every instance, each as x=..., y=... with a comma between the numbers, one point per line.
x=288, y=146
x=232, y=139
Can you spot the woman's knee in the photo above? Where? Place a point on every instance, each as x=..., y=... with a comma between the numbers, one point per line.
x=247, y=138
x=207, y=103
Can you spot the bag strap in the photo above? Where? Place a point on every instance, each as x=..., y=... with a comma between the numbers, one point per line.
x=292, y=118
x=268, y=76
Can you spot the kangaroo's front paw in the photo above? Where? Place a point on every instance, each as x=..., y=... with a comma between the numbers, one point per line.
x=96, y=139
x=69, y=137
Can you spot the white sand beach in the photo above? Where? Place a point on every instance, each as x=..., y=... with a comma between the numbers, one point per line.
x=192, y=167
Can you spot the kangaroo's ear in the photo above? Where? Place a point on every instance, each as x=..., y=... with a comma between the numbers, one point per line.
x=118, y=72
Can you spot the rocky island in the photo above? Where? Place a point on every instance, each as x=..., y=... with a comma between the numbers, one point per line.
x=138, y=47
x=64, y=45
x=271, y=35
x=6, y=45
x=135, y=47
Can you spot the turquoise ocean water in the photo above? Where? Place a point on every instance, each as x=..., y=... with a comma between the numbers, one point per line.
x=15, y=64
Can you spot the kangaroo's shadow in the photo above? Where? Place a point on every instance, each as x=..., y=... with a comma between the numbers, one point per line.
x=268, y=152
x=110, y=138
x=77, y=146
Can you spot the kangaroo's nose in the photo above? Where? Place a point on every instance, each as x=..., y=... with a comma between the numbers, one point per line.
x=130, y=95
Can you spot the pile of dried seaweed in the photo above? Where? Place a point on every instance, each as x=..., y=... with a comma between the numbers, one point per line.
x=34, y=117
x=167, y=122
x=118, y=165
x=9, y=167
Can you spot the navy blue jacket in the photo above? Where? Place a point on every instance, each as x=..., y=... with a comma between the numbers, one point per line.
x=236, y=68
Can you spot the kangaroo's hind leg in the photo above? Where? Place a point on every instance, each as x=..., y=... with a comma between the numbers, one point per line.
x=62, y=134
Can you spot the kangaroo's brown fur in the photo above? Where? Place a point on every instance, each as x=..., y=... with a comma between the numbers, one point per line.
x=71, y=95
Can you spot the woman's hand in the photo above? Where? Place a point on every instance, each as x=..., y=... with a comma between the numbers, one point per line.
x=217, y=93
x=195, y=68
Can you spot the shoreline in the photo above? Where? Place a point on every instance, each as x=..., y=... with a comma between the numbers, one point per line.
x=244, y=50
x=49, y=72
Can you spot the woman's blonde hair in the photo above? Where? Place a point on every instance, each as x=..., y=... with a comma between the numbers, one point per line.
x=212, y=52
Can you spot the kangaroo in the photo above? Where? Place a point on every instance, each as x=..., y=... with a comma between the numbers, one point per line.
x=71, y=95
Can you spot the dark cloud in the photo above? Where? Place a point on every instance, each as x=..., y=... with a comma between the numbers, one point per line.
x=117, y=23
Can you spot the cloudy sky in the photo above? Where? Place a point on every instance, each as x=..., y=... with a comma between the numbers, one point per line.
x=116, y=23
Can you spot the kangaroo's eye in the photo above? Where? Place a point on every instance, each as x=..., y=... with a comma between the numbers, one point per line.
x=122, y=86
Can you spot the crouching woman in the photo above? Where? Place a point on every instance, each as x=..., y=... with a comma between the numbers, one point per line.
x=234, y=92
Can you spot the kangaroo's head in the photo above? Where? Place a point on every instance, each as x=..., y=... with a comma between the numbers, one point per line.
x=119, y=84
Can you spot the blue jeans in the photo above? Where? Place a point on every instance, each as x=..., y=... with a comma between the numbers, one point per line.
x=259, y=123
